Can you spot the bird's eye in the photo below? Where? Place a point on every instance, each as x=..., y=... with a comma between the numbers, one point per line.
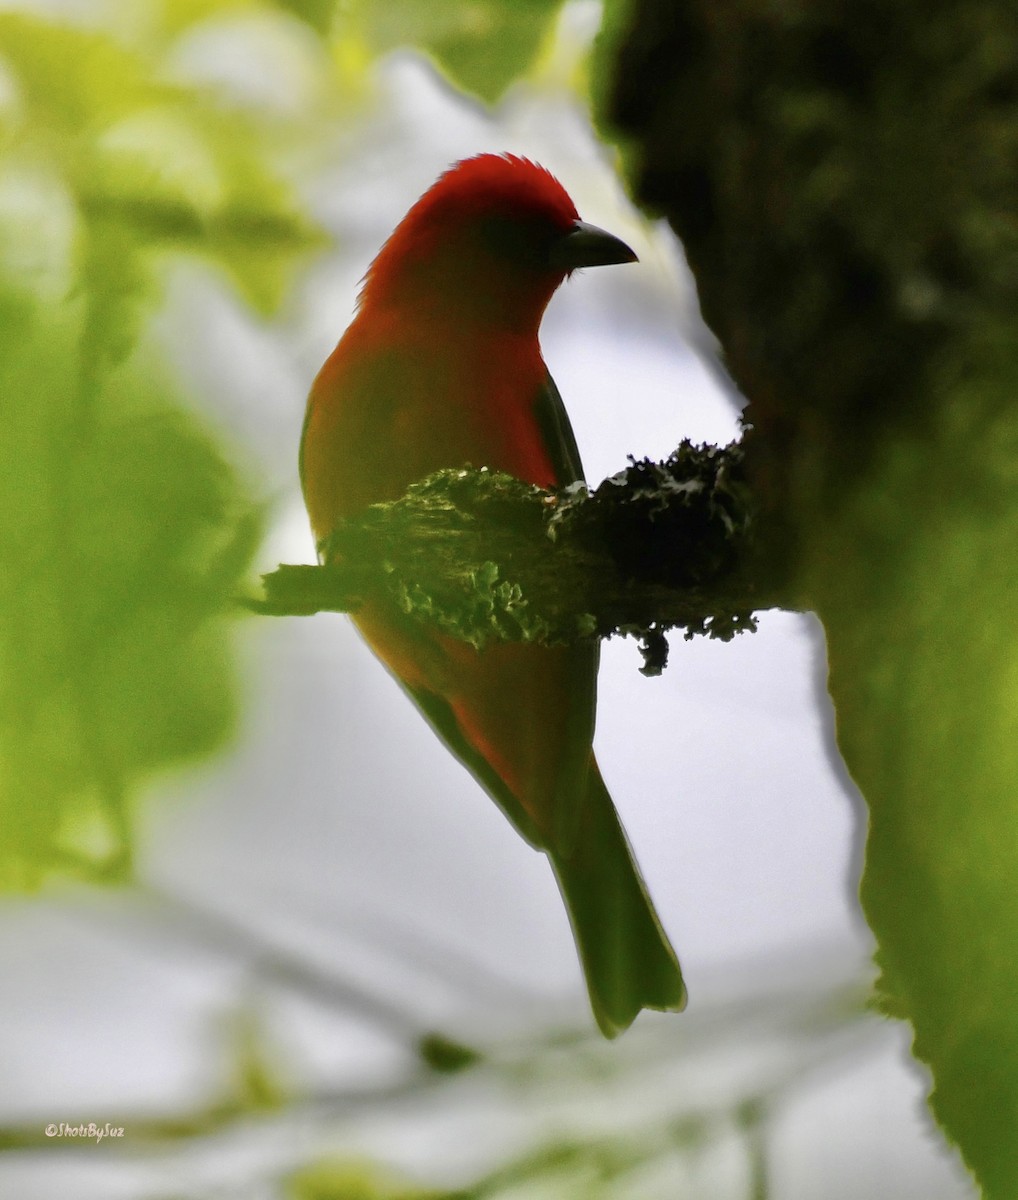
x=522, y=241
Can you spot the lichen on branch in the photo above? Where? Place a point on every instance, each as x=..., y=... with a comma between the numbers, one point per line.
x=485, y=557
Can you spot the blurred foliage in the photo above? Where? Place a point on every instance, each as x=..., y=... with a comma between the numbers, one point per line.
x=342, y=1180
x=842, y=177
x=147, y=166
x=319, y=14
x=617, y=25
x=481, y=45
x=124, y=530
x=122, y=539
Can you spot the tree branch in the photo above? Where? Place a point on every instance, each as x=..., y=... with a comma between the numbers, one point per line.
x=485, y=557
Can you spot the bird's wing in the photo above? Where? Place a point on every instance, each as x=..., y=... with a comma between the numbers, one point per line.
x=520, y=717
x=557, y=433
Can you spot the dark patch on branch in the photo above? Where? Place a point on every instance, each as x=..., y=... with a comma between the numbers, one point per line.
x=486, y=557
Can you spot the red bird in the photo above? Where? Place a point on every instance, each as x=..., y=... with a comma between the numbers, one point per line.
x=442, y=367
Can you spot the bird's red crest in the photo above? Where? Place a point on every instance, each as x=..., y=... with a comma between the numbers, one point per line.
x=499, y=182
x=486, y=185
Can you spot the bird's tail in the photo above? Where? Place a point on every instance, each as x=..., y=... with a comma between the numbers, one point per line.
x=627, y=958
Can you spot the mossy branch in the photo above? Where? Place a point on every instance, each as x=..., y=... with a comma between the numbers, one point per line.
x=485, y=557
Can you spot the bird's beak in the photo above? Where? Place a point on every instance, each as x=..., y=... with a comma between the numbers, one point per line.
x=587, y=246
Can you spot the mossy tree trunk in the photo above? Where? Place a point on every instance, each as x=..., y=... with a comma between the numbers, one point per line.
x=843, y=177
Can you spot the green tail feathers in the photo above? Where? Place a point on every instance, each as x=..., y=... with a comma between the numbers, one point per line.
x=627, y=958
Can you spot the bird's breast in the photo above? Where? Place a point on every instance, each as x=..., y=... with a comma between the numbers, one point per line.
x=386, y=411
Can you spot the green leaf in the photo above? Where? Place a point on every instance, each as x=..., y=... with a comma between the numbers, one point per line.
x=123, y=541
x=182, y=175
x=318, y=14
x=602, y=77
x=164, y=168
x=483, y=46
x=339, y=1179
x=124, y=533
x=71, y=79
x=176, y=15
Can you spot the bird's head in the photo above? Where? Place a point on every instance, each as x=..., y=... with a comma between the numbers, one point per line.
x=491, y=240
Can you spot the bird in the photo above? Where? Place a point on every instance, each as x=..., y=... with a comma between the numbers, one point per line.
x=441, y=367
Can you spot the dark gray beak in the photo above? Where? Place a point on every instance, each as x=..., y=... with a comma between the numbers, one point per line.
x=587, y=246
